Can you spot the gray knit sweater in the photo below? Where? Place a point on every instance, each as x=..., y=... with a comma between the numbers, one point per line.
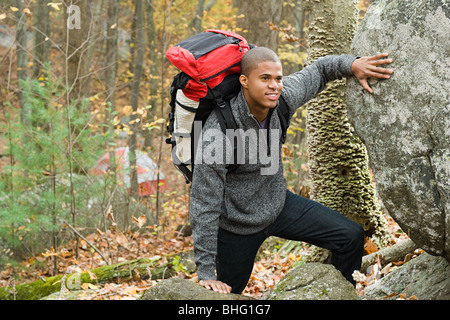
x=248, y=199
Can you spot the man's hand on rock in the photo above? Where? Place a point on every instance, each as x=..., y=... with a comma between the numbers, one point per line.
x=215, y=285
x=368, y=67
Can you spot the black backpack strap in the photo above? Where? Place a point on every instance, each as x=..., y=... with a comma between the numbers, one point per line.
x=222, y=109
x=283, y=114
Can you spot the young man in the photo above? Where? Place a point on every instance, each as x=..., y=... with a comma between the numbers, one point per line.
x=232, y=213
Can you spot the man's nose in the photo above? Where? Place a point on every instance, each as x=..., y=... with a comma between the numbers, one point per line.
x=273, y=84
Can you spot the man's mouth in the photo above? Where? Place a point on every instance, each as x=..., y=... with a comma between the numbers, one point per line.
x=272, y=96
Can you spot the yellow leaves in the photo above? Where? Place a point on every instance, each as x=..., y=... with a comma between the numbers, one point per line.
x=123, y=291
x=14, y=9
x=130, y=290
x=154, y=124
x=54, y=5
x=87, y=286
x=126, y=110
x=2, y=16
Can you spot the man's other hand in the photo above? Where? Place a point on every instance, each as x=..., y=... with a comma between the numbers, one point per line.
x=217, y=286
x=368, y=67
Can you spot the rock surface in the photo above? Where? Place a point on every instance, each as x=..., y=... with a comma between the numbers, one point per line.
x=182, y=289
x=313, y=281
x=405, y=123
x=425, y=277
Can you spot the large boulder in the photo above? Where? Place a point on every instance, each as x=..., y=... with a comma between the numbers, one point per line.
x=313, y=281
x=182, y=289
x=405, y=123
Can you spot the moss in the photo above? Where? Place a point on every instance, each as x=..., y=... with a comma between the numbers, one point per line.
x=139, y=268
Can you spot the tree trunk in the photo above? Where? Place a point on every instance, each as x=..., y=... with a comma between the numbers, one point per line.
x=252, y=18
x=22, y=60
x=152, y=60
x=294, y=17
x=338, y=160
x=78, y=33
x=196, y=24
x=154, y=268
x=112, y=35
x=138, y=69
x=41, y=33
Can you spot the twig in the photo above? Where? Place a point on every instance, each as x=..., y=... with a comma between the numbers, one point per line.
x=87, y=241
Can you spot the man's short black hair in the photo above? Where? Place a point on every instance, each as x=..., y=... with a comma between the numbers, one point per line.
x=253, y=57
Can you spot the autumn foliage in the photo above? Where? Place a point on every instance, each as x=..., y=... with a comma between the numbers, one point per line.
x=55, y=217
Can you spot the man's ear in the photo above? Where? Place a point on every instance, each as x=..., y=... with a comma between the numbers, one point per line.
x=243, y=80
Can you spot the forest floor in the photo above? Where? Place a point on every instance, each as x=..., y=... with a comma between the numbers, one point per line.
x=268, y=270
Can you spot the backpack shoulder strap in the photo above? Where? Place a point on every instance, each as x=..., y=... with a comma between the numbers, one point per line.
x=222, y=109
x=283, y=114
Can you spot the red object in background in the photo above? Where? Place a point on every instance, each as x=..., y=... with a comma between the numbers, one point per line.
x=147, y=171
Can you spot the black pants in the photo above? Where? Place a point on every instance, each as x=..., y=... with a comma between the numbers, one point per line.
x=302, y=220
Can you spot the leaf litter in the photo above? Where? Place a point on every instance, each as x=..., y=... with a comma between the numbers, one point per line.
x=151, y=241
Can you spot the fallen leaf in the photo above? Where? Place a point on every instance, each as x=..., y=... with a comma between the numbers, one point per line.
x=370, y=246
x=109, y=215
x=122, y=239
x=91, y=286
x=92, y=276
x=129, y=290
x=140, y=221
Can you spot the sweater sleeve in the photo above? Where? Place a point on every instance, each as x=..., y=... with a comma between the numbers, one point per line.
x=207, y=204
x=302, y=86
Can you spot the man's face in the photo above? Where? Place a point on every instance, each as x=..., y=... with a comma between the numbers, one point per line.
x=262, y=87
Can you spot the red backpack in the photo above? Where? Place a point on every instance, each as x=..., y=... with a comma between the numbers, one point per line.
x=210, y=68
x=207, y=58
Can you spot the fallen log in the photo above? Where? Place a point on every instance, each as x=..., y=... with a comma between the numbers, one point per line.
x=161, y=267
x=389, y=254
